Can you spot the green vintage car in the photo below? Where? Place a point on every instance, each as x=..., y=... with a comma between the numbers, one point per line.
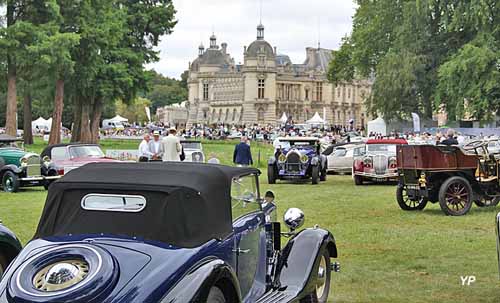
x=19, y=168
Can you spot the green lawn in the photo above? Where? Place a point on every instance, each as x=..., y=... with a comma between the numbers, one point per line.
x=387, y=255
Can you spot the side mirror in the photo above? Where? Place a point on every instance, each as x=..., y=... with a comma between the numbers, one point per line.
x=294, y=218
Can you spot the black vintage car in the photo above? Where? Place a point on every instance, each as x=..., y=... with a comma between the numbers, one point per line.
x=171, y=233
x=453, y=176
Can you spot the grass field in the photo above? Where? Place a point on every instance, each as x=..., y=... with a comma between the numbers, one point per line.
x=387, y=255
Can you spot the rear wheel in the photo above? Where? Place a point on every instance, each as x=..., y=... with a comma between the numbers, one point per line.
x=455, y=196
x=216, y=295
x=271, y=174
x=315, y=174
x=408, y=204
x=358, y=180
x=486, y=202
x=322, y=177
x=10, y=182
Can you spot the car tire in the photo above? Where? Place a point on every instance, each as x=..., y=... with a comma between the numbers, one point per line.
x=271, y=174
x=358, y=180
x=10, y=182
x=215, y=295
x=3, y=264
x=487, y=202
x=405, y=203
x=315, y=174
x=452, y=187
x=322, y=177
x=322, y=289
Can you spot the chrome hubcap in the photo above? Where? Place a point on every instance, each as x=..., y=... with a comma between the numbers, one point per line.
x=61, y=275
x=321, y=285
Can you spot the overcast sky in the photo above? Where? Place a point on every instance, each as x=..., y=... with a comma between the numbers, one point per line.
x=290, y=25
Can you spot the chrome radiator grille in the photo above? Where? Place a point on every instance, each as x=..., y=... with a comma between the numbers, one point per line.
x=197, y=157
x=380, y=164
x=293, y=162
x=33, y=168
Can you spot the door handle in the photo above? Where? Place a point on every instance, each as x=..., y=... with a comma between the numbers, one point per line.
x=240, y=251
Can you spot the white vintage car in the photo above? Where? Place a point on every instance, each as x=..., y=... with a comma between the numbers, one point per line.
x=193, y=151
x=341, y=158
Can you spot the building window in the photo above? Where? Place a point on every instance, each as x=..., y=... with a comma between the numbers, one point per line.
x=234, y=114
x=262, y=61
x=205, y=91
x=349, y=93
x=226, y=118
x=260, y=87
x=260, y=114
x=319, y=91
x=338, y=91
x=307, y=94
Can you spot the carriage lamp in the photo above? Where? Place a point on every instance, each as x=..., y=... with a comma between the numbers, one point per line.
x=282, y=158
x=304, y=158
x=422, y=181
x=24, y=162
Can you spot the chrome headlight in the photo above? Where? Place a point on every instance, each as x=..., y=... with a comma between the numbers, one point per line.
x=46, y=161
x=367, y=162
x=282, y=158
x=61, y=275
x=197, y=157
x=24, y=162
x=304, y=158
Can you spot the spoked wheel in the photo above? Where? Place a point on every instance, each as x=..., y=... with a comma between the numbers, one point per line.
x=10, y=182
x=323, y=278
x=455, y=196
x=409, y=204
x=487, y=202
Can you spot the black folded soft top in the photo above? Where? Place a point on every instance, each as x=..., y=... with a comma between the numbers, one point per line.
x=187, y=204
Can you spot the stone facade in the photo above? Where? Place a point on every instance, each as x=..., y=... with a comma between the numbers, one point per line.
x=267, y=85
x=173, y=115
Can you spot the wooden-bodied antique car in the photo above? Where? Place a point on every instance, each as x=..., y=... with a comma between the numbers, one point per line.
x=453, y=176
x=168, y=232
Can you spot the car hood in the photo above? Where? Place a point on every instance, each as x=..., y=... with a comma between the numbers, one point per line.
x=303, y=151
x=84, y=160
x=12, y=152
x=145, y=270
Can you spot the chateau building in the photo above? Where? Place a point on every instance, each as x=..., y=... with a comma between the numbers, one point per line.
x=267, y=85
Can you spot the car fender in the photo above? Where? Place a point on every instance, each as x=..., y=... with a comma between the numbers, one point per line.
x=10, y=167
x=9, y=244
x=196, y=283
x=271, y=161
x=300, y=257
x=315, y=161
x=358, y=165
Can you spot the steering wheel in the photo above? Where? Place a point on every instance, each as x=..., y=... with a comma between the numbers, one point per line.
x=474, y=144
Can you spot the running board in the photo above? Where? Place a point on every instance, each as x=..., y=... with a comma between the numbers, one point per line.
x=278, y=296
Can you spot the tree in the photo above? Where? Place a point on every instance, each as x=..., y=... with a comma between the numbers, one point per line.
x=165, y=91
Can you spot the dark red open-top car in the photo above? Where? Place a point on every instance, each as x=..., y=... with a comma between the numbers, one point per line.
x=453, y=176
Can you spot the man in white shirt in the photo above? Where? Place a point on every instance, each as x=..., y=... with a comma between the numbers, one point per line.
x=144, y=152
x=171, y=146
x=155, y=147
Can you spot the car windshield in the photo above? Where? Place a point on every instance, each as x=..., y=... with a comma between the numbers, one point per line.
x=381, y=148
x=86, y=151
x=191, y=145
x=9, y=144
x=244, y=196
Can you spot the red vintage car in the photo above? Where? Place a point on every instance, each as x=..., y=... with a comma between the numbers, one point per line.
x=66, y=157
x=453, y=176
x=378, y=163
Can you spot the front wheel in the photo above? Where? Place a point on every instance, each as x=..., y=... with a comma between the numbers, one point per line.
x=405, y=203
x=315, y=174
x=10, y=182
x=486, y=202
x=271, y=174
x=358, y=180
x=216, y=295
x=455, y=196
x=323, y=278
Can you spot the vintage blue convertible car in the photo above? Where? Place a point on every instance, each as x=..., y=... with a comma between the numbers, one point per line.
x=297, y=158
x=168, y=232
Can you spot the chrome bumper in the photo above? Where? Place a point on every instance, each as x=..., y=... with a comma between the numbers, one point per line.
x=377, y=176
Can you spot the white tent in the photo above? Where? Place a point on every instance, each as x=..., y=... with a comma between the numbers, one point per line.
x=41, y=124
x=118, y=118
x=377, y=126
x=316, y=119
x=283, y=118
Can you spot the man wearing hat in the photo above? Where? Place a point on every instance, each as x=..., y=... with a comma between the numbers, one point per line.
x=171, y=146
x=156, y=147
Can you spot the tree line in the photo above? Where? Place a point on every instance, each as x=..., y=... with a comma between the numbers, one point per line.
x=425, y=56
x=83, y=55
